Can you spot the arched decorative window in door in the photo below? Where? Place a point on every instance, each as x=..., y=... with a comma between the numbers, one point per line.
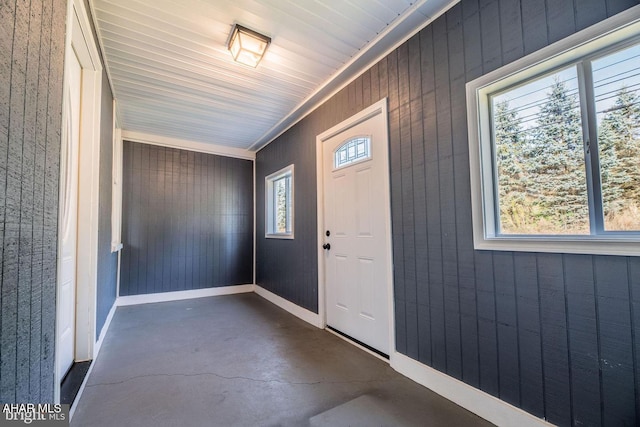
x=356, y=149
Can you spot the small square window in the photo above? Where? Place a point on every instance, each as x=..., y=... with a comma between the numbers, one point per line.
x=279, y=204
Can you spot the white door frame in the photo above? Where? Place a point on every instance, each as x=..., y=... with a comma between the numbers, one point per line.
x=88, y=186
x=379, y=107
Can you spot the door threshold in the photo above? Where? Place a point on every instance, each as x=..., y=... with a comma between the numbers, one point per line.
x=374, y=352
x=73, y=381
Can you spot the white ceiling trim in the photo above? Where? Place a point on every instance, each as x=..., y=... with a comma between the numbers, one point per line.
x=94, y=21
x=181, y=144
x=417, y=17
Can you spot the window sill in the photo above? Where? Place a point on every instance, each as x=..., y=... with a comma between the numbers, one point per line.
x=279, y=236
x=571, y=245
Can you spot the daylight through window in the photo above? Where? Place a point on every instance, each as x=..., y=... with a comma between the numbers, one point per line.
x=281, y=194
x=558, y=146
x=279, y=204
x=540, y=149
x=352, y=151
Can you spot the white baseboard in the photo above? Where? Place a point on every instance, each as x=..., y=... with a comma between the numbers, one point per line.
x=105, y=328
x=180, y=295
x=182, y=144
x=296, y=310
x=96, y=350
x=477, y=401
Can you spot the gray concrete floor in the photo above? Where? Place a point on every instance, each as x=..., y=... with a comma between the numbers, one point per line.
x=241, y=361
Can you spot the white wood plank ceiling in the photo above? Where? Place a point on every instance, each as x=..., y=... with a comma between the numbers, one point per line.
x=173, y=76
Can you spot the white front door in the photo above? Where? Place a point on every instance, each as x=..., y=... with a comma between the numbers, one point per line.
x=69, y=212
x=357, y=231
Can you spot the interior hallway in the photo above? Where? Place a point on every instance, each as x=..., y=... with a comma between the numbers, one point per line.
x=241, y=361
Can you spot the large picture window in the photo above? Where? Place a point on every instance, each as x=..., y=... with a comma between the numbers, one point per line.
x=555, y=146
x=279, y=204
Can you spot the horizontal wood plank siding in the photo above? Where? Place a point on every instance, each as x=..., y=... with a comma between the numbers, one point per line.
x=554, y=334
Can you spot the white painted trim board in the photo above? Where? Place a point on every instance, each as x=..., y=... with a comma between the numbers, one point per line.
x=96, y=351
x=105, y=328
x=182, y=295
x=80, y=36
x=472, y=399
x=183, y=144
x=300, y=312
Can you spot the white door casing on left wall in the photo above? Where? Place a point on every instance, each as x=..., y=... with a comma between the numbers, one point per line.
x=80, y=47
x=68, y=215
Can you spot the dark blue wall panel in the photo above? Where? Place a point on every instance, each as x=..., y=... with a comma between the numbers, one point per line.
x=288, y=267
x=554, y=334
x=187, y=220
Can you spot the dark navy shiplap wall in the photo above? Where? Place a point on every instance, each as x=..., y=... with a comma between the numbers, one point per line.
x=553, y=334
x=187, y=220
x=288, y=267
x=32, y=38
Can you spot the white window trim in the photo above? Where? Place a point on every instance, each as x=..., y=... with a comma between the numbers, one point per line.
x=116, y=189
x=268, y=205
x=605, y=33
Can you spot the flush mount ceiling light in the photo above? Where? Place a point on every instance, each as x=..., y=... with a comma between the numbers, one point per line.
x=247, y=46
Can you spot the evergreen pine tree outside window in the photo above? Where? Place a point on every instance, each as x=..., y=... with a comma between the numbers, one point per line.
x=279, y=204
x=617, y=96
x=555, y=146
x=281, y=195
x=542, y=138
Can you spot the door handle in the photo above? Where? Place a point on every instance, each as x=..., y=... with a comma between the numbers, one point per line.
x=326, y=246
